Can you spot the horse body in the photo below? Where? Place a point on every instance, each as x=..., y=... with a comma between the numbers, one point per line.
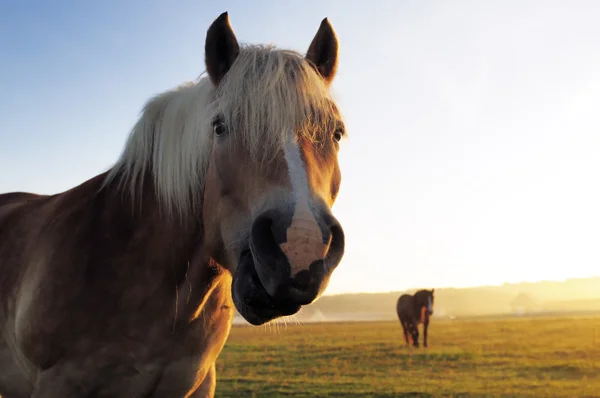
x=71, y=261
x=125, y=286
x=413, y=310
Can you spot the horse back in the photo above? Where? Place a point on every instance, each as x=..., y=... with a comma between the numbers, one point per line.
x=31, y=224
x=13, y=206
x=404, y=306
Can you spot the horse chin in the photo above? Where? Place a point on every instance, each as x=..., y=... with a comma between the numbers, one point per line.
x=250, y=297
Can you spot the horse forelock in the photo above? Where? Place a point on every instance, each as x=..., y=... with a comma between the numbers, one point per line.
x=267, y=93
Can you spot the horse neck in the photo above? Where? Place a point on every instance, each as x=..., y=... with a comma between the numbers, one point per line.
x=174, y=246
x=136, y=228
x=420, y=300
x=143, y=212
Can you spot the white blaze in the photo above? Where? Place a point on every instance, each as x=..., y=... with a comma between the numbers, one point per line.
x=297, y=174
x=429, y=304
x=304, y=240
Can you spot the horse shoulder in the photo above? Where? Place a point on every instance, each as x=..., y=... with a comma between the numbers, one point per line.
x=52, y=258
x=19, y=217
x=48, y=279
x=203, y=339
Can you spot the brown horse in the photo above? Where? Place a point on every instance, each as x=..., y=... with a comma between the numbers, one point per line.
x=124, y=286
x=413, y=310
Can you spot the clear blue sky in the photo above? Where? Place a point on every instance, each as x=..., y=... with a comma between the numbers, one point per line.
x=474, y=125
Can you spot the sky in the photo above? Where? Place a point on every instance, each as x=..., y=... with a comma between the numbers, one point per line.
x=473, y=126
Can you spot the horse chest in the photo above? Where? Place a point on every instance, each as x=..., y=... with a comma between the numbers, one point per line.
x=199, y=344
x=163, y=357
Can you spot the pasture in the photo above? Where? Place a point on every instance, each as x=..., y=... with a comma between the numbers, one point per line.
x=542, y=357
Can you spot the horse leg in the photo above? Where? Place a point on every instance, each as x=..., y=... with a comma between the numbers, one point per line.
x=56, y=384
x=425, y=326
x=415, y=334
x=208, y=386
x=406, y=335
x=84, y=378
x=405, y=330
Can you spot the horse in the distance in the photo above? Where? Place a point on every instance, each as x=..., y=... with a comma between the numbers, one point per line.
x=413, y=310
x=124, y=286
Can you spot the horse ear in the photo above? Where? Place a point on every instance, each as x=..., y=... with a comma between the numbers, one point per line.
x=221, y=48
x=432, y=291
x=323, y=51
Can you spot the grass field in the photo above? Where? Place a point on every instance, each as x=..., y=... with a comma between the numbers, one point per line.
x=542, y=357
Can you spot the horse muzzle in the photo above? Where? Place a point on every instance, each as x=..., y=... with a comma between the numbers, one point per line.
x=288, y=264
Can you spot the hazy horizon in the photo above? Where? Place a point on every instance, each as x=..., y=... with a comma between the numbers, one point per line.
x=476, y=286
x=473, y=126
x=549, y=298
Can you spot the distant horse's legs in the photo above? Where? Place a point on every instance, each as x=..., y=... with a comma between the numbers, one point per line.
x=425, y=326
x=407, y=336
x=415, y=334
x=405, y=329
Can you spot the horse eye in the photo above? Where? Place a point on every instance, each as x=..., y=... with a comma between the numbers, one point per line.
x=219, y=127
x=337, y=135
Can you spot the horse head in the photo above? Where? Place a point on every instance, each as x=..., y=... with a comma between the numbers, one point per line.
x=272, y=173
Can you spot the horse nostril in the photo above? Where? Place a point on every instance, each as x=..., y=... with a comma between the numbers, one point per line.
x=336, y=245
x=302, y=280
x=292, y=261
x=263, y=240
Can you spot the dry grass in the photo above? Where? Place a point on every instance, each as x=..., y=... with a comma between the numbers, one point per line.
x=505, y=357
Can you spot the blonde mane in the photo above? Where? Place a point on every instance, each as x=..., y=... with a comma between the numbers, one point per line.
x=266, y=94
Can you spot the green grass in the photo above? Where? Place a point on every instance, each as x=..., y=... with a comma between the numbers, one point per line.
x=545, y=357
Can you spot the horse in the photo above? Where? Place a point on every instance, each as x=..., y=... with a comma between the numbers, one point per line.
x=413, y=310
x=126, y=285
